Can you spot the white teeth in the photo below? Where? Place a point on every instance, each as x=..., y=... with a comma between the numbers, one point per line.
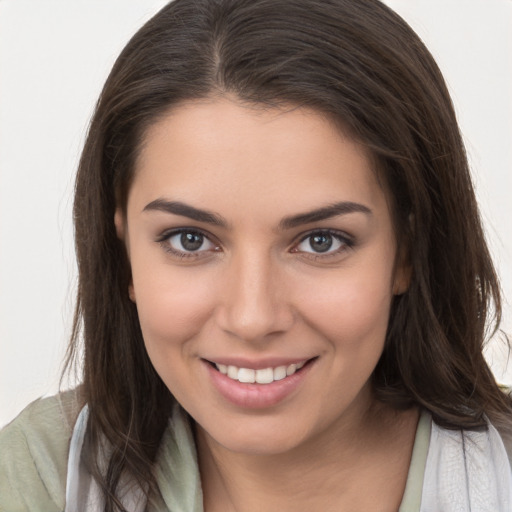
x=265, y=376
x=232, y=372
x=280, y=373
x=262, y=376
x=246, y=375
x=292, y=368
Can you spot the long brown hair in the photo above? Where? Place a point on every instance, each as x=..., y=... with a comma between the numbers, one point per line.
x=362, y=65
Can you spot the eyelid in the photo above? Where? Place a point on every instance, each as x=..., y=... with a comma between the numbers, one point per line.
x=166, y=235
x=348, y=242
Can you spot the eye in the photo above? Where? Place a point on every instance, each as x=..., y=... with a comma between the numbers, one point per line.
x=324, y=242
x=187, y=243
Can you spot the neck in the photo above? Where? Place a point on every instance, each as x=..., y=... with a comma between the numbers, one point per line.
x=328, y=472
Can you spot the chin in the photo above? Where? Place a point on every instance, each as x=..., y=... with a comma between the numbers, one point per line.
x=263, y=436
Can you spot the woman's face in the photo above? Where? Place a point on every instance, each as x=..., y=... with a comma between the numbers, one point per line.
x=261, y=245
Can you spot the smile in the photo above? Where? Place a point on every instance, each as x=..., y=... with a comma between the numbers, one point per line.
x=261, y=376
x=266, y=384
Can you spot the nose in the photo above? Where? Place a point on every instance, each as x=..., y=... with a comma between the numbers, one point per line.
x=254, y=306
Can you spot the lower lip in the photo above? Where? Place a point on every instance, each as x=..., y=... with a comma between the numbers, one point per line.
x=257, y=396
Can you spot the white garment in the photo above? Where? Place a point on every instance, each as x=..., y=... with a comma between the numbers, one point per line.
x=465, y=471
x=82, y=491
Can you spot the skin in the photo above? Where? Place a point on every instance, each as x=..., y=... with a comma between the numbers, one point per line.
x=256, y=288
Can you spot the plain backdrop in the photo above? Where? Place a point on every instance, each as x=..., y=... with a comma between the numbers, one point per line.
x=54, y=58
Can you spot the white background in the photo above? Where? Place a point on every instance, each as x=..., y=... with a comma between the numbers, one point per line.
x=54, y=58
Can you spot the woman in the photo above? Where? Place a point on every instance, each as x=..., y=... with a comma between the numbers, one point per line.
x=284, y=284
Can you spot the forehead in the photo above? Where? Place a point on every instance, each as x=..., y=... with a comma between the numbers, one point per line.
x=220, y=152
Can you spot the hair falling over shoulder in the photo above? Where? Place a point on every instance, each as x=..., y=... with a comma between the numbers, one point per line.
x=363, y=66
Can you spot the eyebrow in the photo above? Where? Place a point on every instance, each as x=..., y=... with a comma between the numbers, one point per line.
x=185, y=210
x=327, y=212
x=208, y=217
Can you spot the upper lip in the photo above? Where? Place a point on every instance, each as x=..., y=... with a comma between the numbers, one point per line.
x=258, y=364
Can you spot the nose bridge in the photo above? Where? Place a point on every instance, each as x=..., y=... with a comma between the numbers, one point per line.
x=254, y=305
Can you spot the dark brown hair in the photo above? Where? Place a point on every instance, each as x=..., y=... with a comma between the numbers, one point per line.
x=359, y=63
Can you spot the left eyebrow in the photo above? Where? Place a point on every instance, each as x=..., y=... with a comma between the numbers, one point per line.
x=328, y=212
x=186, y=210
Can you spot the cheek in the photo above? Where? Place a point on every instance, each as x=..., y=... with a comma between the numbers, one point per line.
x=351, y=309
x=172, y=306
x=173, y=309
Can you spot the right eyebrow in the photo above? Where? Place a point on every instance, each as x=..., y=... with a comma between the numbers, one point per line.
x=186, y=210
x=327, y=212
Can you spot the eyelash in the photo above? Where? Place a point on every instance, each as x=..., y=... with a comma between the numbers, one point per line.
x=347, y=242
x=164, y=241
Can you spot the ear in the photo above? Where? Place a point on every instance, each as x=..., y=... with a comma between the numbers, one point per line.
x=131, y=292
x=403, y=273
x=402, y=279
x=120, y=224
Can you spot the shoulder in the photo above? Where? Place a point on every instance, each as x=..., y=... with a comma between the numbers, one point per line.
x=34, y=448
x=505, y=427
x=467, y=470
x=506, y=438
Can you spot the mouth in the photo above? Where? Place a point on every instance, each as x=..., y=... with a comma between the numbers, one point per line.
x=258, y=388
x=262, y=376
